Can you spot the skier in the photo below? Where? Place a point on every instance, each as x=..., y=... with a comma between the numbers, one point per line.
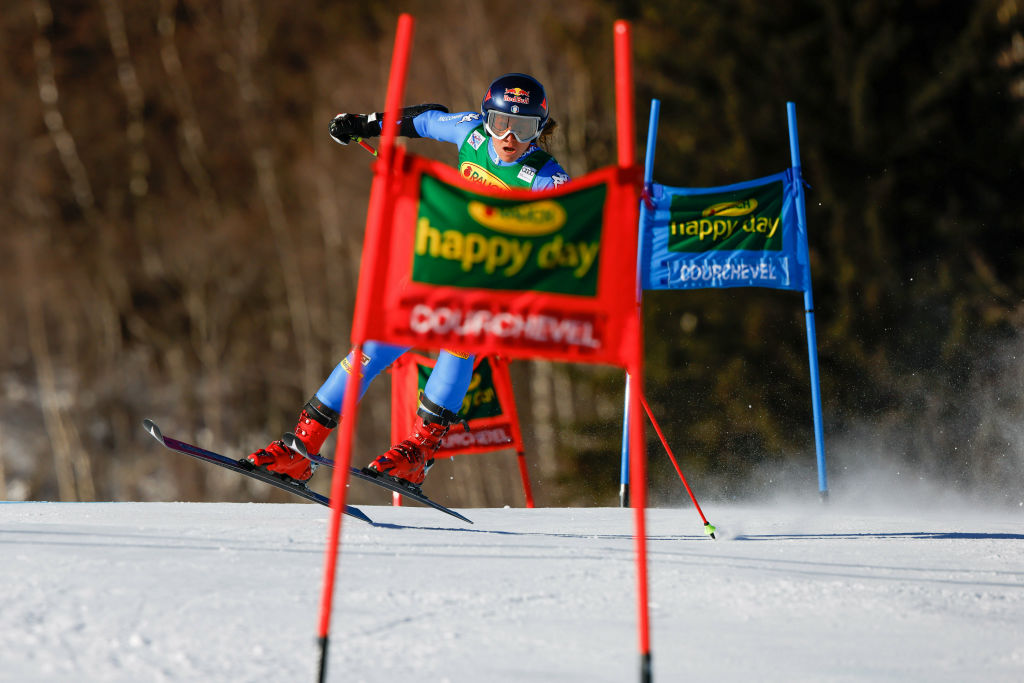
x=498, y=146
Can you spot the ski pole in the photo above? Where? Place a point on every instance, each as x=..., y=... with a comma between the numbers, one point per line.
x=365, y=145
x=708, y=528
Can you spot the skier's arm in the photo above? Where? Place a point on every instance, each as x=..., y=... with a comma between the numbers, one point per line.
x=345, y=127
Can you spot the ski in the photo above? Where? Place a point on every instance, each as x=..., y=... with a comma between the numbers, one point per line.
x=198, y=453
x=384, y=481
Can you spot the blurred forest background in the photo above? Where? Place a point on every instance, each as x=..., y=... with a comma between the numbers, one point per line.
x=182, y=238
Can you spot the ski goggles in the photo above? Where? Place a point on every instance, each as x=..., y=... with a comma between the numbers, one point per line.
x=499, y=124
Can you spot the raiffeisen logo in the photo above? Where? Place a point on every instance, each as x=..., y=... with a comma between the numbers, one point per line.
x=526, y=220
x=740, y=208
x=479, y=174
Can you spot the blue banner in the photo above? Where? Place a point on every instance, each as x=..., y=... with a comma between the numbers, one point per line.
x=742, y=235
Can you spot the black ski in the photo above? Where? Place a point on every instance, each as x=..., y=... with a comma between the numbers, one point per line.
x=198, y=453
x=390, y=483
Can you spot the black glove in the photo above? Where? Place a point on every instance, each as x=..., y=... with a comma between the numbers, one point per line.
x=344, y=127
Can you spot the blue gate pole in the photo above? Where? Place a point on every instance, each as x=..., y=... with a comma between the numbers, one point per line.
x=624, y=473
x=652, y=134
x=812, y=344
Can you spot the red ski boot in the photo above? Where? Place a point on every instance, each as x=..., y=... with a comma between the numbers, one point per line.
x=315, y=423
x=409, y=460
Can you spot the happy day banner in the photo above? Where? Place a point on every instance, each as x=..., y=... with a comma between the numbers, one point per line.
x=741, y=235
x=524, y=274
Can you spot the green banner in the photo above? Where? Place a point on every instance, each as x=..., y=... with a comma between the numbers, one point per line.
x=468, y=240
x=481, y=399
x=747, y=219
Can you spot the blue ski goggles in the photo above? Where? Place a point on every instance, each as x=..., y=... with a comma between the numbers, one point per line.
x=499, y=124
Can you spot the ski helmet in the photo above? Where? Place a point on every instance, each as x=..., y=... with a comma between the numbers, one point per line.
x=522, y=98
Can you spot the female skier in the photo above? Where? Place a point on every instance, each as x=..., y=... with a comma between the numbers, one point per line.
x=498, y=146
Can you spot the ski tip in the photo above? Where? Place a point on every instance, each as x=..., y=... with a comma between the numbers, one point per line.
x=358, y=514
x=153, y=429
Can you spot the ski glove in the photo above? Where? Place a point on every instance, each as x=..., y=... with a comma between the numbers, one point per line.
x=344, y=127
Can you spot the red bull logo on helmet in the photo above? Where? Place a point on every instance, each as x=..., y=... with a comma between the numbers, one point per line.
x=517, y=95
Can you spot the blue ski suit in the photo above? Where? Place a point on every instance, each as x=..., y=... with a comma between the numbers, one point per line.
x=453, y=372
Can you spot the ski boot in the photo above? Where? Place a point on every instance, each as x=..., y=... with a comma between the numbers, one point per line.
x=408, y=461
x=315, y=423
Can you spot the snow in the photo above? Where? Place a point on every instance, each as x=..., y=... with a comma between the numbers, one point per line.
x=231, y=592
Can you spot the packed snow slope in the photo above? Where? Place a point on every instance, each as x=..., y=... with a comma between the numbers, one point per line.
x=231, y=592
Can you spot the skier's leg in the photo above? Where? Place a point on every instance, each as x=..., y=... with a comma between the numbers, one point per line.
x=321, y=413
x=376, y=357
x=449, y=380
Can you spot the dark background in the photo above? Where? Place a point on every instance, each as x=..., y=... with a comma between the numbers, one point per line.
x=181, y=238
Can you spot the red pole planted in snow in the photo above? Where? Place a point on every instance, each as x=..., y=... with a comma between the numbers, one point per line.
x=626, y=128
x=339, y=487
x=370, y=274
x=638, y=498
x=507, y=398
x=524, y=474
x=664, y=442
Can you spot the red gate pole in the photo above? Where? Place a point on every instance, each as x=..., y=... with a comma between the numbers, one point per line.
x=507, y=397
x=626, y=128
x=397, y=408
x=380, y=197
x=525, y=476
